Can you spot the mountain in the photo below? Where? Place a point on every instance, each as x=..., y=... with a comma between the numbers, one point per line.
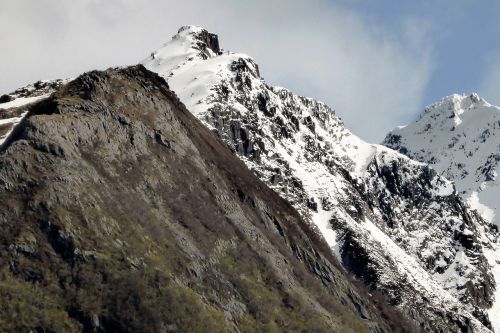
x=121, y=212
x=393, y=222
x=459, y=136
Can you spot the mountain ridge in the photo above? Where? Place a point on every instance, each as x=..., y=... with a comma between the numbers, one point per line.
x=350, y=189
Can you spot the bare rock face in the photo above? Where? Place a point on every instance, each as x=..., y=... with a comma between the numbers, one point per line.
x=121, y=212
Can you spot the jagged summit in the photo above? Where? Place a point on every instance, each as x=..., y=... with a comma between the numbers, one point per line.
x=460, y=98
x=193, y=61
x=201, y=37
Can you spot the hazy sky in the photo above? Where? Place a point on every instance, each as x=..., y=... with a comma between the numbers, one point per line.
x=377, y=62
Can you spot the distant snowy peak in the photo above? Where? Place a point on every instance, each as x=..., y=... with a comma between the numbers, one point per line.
x=204, y=39
x=460, y=137
x=453, y=107
x=458, y=101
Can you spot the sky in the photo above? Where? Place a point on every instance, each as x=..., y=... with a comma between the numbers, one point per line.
x=378, y=63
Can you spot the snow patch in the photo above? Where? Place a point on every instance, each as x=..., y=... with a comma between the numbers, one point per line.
x=13, y=122
x=22, y=101
x=486, y=212
x=493, y=256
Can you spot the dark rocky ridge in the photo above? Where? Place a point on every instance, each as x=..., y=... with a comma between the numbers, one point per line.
x=120, y=212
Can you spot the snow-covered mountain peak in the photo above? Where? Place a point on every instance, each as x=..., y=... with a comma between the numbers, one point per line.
x=394, y=222
x=193, y=62
x=200, y=38
x=456, y=104
x=448, y=114
x=190, y=29
x=459, y=99
x=189, y=44
x=460, y=137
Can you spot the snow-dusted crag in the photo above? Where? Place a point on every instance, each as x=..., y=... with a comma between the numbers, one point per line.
x=459, y=137
x=393, y=222
x=13, y=106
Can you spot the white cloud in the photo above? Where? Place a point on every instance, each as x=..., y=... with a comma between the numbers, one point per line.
x=490, y=87
x=375, y=79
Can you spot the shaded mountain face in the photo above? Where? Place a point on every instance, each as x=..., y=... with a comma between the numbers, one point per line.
x=121, y=212
x=393, y=222
x=459, y=136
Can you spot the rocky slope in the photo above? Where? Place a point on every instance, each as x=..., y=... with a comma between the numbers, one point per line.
x=393, y=222
x=121, y=212
x=459, y=137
